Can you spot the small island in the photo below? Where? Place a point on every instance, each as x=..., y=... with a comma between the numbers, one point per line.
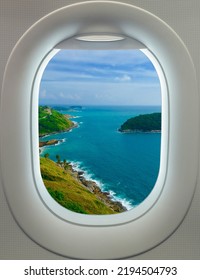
x=148, y=123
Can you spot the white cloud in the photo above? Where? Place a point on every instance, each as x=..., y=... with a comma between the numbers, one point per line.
x=124, y=78
x=98, y=93
x=61, y=94
x=46, y=95
x=43, y=94
x=69, y=96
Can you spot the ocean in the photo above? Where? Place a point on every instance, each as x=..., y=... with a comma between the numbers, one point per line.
x=125, y=164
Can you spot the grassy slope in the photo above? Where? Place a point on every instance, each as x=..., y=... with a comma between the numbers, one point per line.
x=68, y=191
x=144, y=123
x=51, y=121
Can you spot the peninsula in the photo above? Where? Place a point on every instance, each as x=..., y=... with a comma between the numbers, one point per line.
x=142, y=123
x=51, y=121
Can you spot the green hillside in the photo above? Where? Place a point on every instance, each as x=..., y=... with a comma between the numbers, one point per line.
x=51, y=121
x=142, y=123
x=67, y=190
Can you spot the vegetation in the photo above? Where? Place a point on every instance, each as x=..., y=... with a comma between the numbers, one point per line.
x=142, y=123
x=63, y=185
x=51, y=121
x=58, y=158
x=46, y=155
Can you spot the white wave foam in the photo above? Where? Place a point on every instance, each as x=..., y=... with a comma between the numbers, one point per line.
x=75, y=117
x=60, y=141
x=41, y=150
x=77, y=166
x=126, y=203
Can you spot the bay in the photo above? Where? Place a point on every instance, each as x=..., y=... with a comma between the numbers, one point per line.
x=125, y=164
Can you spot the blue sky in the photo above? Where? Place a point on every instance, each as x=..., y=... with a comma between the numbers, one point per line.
x=100, y=77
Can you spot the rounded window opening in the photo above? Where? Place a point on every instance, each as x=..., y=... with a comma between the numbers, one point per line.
x=99, y=129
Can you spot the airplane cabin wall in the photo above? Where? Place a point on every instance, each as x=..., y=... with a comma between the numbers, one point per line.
x=16, y=16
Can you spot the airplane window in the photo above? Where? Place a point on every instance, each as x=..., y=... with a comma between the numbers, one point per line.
x=99, y=129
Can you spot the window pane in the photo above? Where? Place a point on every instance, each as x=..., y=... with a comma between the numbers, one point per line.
x=100, y=129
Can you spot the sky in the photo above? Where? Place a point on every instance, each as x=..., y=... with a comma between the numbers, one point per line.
x=100, y=77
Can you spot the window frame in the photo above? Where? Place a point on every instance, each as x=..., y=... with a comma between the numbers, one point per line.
x=100, y=220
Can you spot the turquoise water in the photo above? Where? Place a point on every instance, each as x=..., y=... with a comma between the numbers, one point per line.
x=127, y=165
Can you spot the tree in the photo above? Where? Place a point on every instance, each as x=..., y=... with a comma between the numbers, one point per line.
x=58, y=159
x=65, y=164
x=46, y=155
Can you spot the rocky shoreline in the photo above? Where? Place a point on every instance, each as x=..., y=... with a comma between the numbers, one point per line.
x=54, y=141
x=92, y=186
x=139, y=131
x=48, y=142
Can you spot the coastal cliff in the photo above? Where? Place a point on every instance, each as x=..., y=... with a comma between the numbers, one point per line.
x=71, y=190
